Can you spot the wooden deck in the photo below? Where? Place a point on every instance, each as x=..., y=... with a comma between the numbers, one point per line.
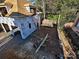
x=6, y=36
x=2, y=35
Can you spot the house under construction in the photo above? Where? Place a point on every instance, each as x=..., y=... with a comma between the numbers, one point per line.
x=18, y=15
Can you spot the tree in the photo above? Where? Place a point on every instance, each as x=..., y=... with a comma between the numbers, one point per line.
x=62, y=7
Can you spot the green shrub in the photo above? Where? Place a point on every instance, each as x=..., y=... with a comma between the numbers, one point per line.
x=52, y=17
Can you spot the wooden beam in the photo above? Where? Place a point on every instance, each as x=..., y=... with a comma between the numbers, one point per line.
x=41, y=43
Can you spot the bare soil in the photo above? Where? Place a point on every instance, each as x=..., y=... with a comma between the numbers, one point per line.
x=52, y=44
x=51, y=49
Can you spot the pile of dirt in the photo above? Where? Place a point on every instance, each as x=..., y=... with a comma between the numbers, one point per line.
x=47, y=22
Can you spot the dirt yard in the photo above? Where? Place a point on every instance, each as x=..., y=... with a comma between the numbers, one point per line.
x=51, y=49
x=52, y=44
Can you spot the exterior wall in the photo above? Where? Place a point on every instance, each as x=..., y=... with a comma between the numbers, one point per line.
x=23, y=24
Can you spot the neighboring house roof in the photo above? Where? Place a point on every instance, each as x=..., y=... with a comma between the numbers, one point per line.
x=17, y=6
x=76, y=22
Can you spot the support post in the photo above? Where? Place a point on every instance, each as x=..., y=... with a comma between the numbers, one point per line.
x=3, y=27
x=58, y=22
x=44, y=12
x=2, y=24
x=10, y=27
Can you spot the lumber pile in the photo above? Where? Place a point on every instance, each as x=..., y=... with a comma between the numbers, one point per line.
x=68, y=52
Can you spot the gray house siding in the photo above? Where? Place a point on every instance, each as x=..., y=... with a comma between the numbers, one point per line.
x=26, y=26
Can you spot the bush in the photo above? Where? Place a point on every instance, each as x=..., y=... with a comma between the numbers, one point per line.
x=52, y=17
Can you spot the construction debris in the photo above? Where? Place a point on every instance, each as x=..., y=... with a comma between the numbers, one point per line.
x=68, y=51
